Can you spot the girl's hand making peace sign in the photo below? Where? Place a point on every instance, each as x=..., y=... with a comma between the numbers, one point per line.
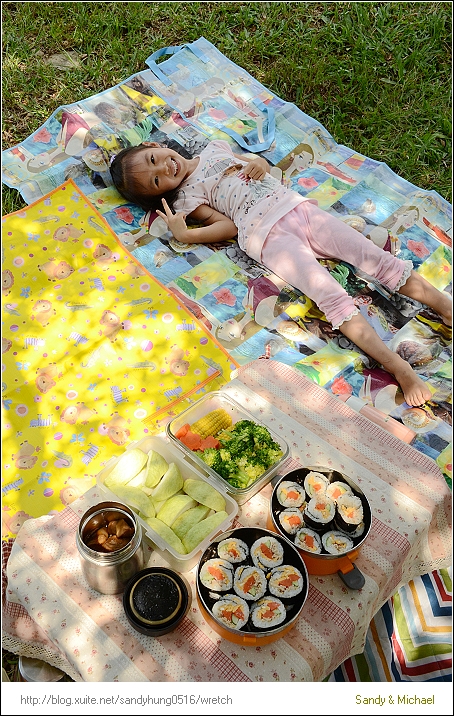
x=176, y=223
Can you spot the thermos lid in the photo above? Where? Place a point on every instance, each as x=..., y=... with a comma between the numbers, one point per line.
x=155, y=600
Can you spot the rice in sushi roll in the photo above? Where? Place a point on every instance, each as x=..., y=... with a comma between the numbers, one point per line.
x=349, y=513
x=308, y=540
x=290, y=494
x=336, y=542
x=358, y=532
x=291, y=520
x=249, y=583
x=285, y=581
x=217, y=575
x=268, y=612
x=319, y=513
x=233, y=550
x=231, y=611
x=315, y=484
x=337, y=488
x=267, y=552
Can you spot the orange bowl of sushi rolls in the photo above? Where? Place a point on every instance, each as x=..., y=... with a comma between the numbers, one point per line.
x=326, y=516
x=251, y=585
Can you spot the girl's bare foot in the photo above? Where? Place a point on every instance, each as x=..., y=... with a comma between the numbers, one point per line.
x=358, y=330
x=413, y=387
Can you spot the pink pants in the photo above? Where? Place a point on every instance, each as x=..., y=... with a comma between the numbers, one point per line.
x=308, y=233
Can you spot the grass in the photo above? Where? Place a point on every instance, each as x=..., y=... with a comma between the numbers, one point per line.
x=376, y=75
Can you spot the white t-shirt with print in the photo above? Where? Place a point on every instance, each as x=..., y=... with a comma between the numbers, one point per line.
x=253, y=206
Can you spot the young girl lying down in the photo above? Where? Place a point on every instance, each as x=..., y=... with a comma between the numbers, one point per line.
x=233, y=196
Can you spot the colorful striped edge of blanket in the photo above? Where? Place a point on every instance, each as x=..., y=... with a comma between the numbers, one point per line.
x=410, y=638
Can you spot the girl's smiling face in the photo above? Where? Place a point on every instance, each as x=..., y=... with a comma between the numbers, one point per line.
x=157, y=170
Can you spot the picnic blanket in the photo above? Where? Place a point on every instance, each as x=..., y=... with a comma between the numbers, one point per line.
x=190, y=98
x=95, y=354
x=196, y=95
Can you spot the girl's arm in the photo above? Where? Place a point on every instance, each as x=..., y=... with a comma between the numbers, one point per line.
x=217, y=226
x=257, y=166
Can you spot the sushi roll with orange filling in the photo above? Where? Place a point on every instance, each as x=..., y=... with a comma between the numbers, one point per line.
x=233, y=550
x=315, y=484
x=291, y=520
x=290, y=494
x=337, y=489
x=249, y=583
x=231, y=611
x=349, y=513
x=308, y=540
x=268, y=612
x=285, y=581
x=267, y=552
x=319, y=513
x=217, y=575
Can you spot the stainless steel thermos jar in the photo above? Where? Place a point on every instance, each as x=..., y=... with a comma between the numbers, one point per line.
x=109, y=540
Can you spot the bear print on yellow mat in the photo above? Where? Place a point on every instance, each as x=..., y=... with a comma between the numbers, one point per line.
x=95, y=354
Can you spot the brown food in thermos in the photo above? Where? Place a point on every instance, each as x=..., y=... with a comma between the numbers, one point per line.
x=108, y=532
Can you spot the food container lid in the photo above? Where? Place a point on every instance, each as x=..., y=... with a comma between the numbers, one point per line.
x=37, y=670
x=203, y=406
x=155, y=600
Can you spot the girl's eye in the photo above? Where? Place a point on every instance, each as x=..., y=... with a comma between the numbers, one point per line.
x=152, y=159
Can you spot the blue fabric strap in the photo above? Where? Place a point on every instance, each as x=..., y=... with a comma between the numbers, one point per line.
x=171, y=50
x=242, y=140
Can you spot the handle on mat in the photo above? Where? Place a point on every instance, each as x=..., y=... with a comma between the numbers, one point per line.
x=171, y=50
x=241, y=140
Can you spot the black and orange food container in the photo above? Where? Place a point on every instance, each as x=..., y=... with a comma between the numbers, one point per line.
x=324, y=563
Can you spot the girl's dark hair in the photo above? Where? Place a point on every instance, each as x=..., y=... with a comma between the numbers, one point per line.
x=119, y=174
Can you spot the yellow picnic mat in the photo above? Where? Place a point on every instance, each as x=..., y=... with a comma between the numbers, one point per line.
x=95, y=353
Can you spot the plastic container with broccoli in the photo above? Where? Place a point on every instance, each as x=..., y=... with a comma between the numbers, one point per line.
x=230, y=444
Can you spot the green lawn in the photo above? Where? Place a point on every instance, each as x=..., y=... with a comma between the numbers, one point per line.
x=376, y=75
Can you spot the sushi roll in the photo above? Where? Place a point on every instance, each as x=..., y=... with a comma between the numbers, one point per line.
x=315, y=484
x=268, y=612
x=319, y=513
x=308, y=540
x=291, y=520
x=349, y=513
x=358, y=532
x=290, y=494
x=285, y=581
x=337, y=489
x=336, y=542
x=217, y=575
x=249, y=583
x=231, y=611
x=267, y=552
x=233, y=550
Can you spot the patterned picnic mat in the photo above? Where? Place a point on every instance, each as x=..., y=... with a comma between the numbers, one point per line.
x=192, y=97
x=197, y=95
x=95, y=354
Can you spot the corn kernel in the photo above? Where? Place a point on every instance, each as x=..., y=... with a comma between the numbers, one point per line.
x=212, y=423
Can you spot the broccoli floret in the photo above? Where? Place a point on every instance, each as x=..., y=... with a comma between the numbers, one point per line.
x=246, y=451
x=210, y=456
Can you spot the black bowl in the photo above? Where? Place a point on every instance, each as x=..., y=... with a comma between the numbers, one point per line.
x=155, y=600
